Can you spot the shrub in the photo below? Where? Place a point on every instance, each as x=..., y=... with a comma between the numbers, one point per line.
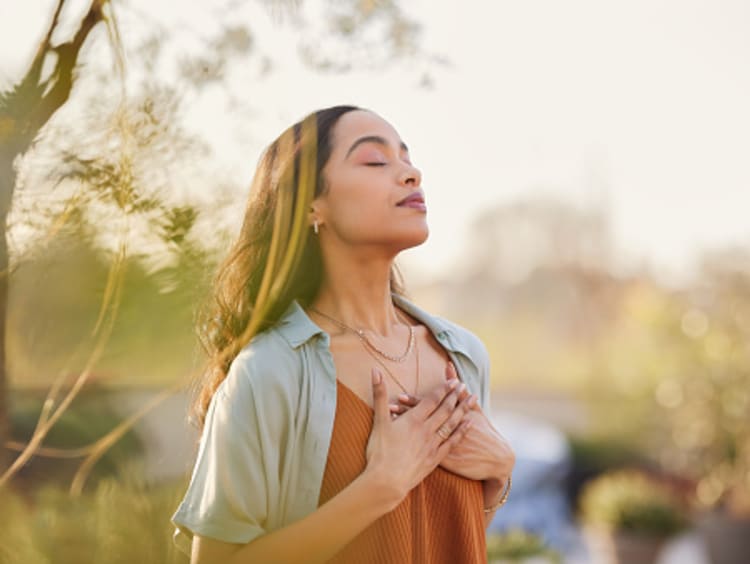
x=87, y=419
x=518, y=545
x=629, y=500
x=121, y=521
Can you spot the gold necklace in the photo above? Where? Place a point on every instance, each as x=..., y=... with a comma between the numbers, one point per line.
x=400, y=385
x=412, y=341
x=363, y=337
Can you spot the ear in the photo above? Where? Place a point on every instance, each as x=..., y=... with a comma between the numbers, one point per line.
x=312, y=215
x=317, y=211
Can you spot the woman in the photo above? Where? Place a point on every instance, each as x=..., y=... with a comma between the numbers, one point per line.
x=339, y=421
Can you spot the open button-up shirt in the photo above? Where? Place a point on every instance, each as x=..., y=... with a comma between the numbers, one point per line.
x=265, y=441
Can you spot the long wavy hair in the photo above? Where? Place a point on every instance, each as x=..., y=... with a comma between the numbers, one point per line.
x=276, y=258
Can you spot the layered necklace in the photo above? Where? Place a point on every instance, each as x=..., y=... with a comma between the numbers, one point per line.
x=374, y=351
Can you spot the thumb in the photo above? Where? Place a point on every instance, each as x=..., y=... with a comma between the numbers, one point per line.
x=379, y=398
x=450, y=371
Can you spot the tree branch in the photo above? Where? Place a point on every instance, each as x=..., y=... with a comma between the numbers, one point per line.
x=63, y=73
x=35, y=71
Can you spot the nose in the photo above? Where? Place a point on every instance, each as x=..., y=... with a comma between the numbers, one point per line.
x=411, y=175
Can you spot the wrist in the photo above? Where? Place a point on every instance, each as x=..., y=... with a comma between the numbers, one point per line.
x=380, y=490
x=496, y=493
x=492, y=487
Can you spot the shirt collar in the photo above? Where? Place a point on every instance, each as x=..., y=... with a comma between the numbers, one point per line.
x=297, y=328
x=442, y=330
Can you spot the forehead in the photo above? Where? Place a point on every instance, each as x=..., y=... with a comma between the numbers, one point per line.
x=360, y=123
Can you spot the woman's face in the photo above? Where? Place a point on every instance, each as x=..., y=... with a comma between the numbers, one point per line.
x=373, y=196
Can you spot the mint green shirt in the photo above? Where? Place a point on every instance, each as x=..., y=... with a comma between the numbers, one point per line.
x=265, y=442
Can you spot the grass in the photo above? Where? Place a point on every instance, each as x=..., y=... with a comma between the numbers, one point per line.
x=117, y=522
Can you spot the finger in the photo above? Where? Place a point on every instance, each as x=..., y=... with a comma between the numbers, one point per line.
x=397, y=409
x=429, y=403
x=455, y=418
x=475, y=404
x=444, y=411
x=466, y=395
x=379, y=398
x=450, y=371
x=467, y=402
x=408, y=400
x=454, y=439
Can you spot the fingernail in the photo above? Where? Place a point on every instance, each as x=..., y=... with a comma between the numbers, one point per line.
x=393, y=407
x=472, y=400
x=404, y=397
x=376, y=376
x=452, y=383
x=462, y=388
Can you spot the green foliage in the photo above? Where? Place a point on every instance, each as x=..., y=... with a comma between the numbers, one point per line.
x=628, y=500
x=121, y=522
x=88, y=419
x=16, y=531
x=153, y=341
x=597, y=454
x=515, y=545
x=672, y=375
x=664, y=369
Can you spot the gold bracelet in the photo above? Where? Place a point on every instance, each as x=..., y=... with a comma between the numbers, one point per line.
x=503, y=498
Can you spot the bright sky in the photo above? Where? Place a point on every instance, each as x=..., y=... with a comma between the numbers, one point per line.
x=650, y=97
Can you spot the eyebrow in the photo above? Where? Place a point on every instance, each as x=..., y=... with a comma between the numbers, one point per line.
x=373, y=139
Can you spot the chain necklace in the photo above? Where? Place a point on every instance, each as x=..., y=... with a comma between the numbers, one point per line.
x=363, y=337
x=400, y=385
x=371, y=350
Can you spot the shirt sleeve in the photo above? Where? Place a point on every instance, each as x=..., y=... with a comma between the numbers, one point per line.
x=227, y=498
x=484, y=378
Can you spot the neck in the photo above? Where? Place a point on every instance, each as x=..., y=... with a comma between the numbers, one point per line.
x=358, y=294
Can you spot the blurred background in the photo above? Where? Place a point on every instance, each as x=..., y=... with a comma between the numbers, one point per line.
x=587, y=172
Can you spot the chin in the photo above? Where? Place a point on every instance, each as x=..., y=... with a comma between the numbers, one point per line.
x=414, y=238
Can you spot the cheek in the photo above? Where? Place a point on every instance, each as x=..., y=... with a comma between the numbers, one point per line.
x=362, y=213
x=355, y=205
x=353, y=216
x=359, y=224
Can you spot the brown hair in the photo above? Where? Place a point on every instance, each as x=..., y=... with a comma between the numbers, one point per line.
x=275, y=259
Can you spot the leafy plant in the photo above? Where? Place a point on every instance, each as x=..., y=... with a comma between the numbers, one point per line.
x=629, y=500
x=596, y=454
x=518, y=544
x=83, y=423
x=16, y=531
x=124, y=520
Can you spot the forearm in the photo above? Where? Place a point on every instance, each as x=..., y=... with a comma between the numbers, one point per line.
x=492, y=490
x=320, y=535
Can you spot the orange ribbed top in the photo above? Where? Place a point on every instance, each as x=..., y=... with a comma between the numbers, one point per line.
x=440, y=521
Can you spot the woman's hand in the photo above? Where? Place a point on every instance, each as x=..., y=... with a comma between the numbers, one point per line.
x=402, y=452
x=483, y=453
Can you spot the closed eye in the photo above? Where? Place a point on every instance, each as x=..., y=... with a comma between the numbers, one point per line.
x=375, y=164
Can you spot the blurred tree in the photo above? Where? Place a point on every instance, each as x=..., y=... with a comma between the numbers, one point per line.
x=115, y=166
x=24, y=110
x=513, y=240
x=671, y=374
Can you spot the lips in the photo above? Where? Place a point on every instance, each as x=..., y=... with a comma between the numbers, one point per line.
x=413, y=200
